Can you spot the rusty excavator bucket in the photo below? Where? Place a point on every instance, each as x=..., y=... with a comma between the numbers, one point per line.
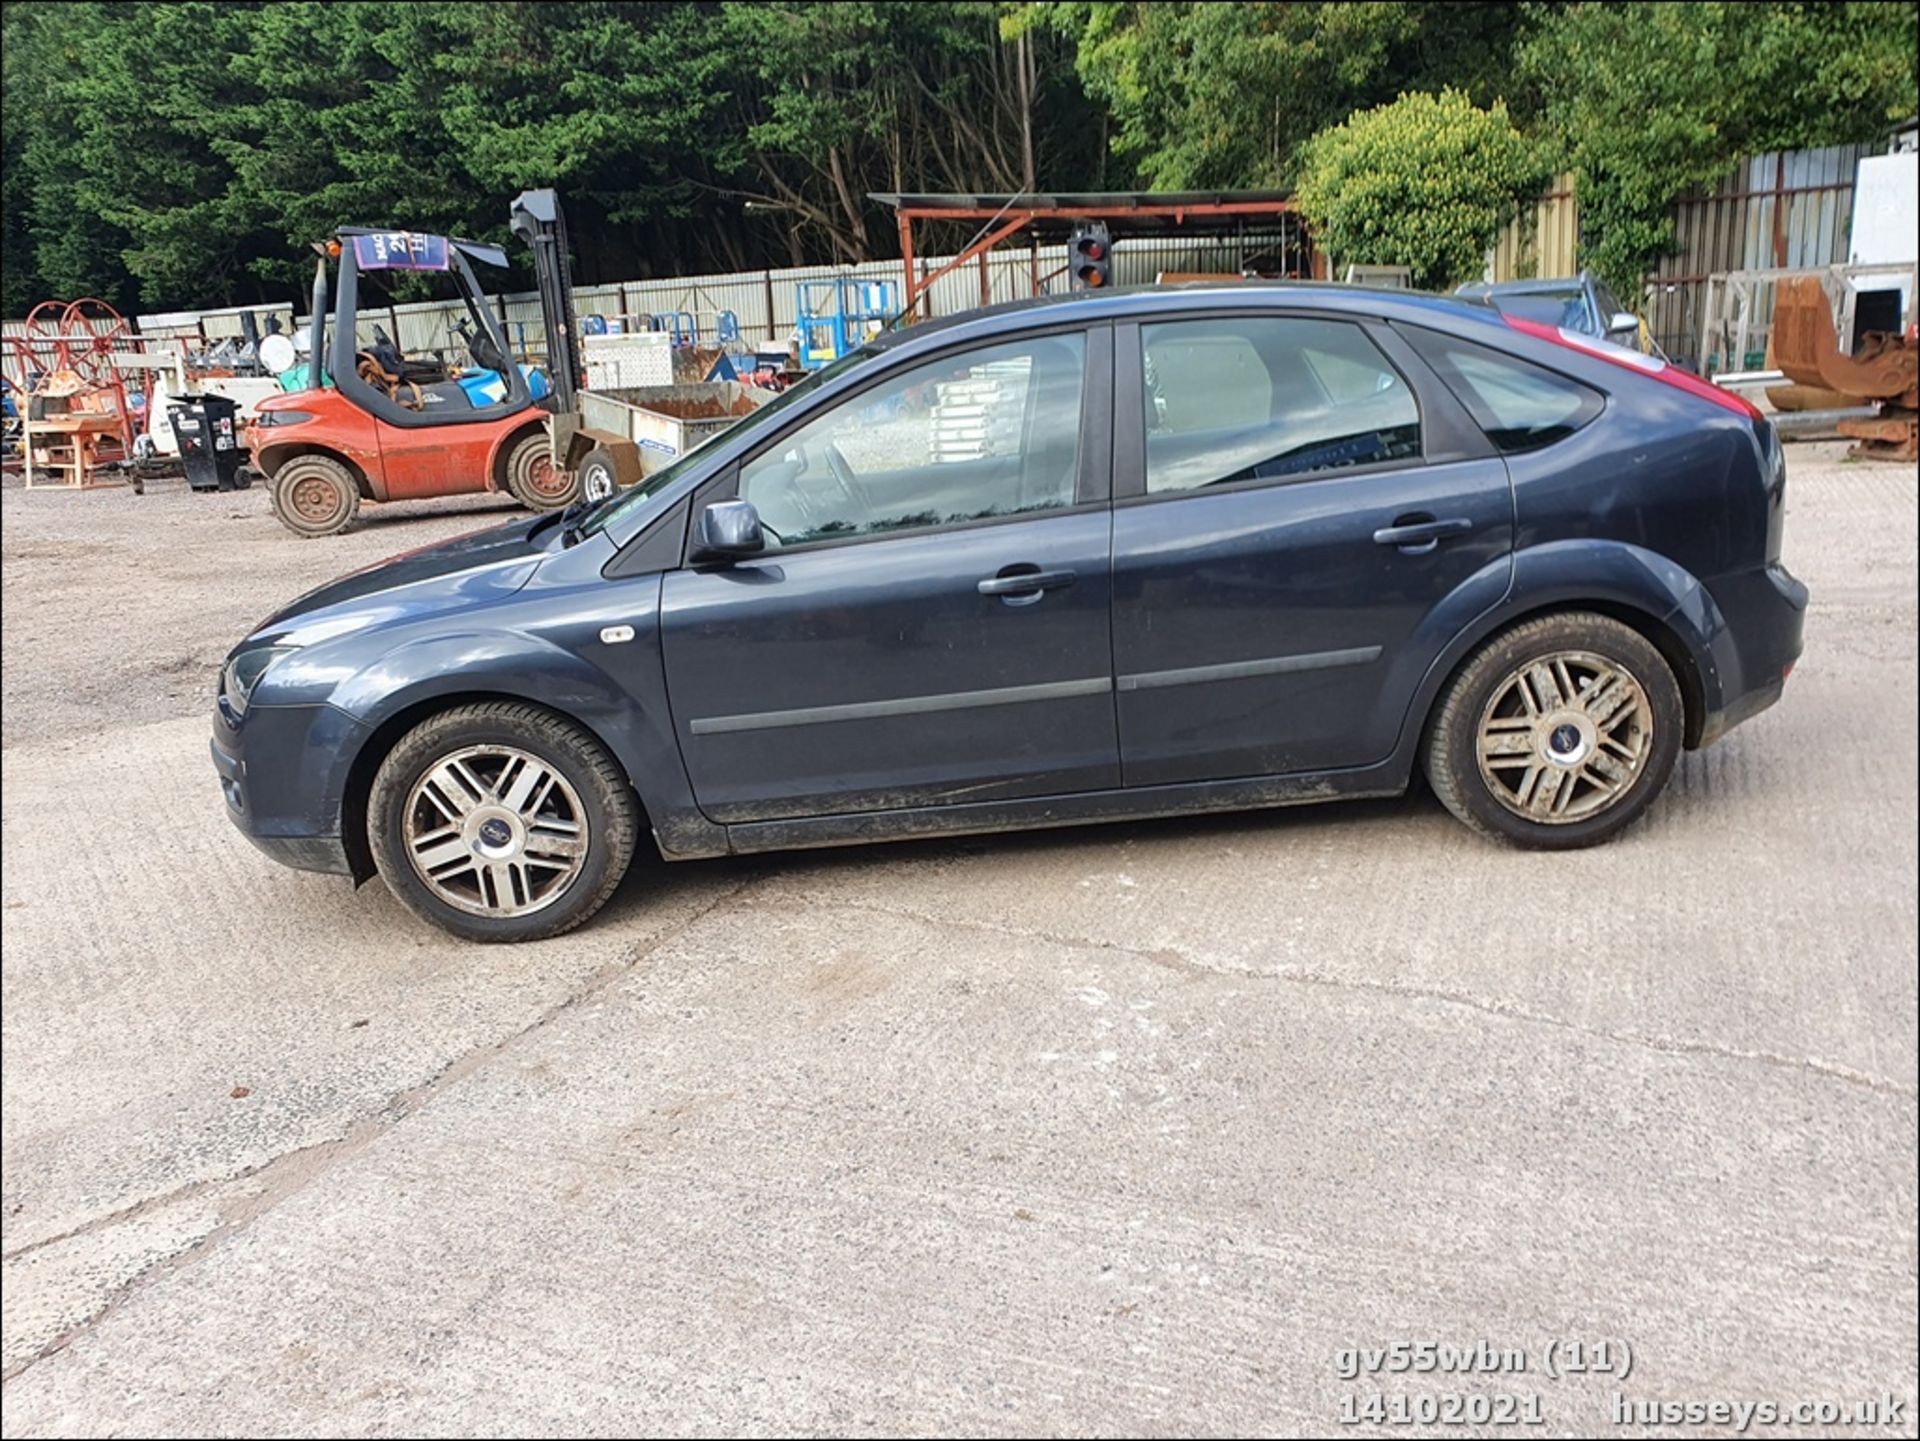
x=1884, y=369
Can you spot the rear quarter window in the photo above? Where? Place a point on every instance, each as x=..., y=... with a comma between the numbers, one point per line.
x=1521, y=406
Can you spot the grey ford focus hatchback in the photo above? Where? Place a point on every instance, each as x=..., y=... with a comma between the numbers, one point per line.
x=1115, y=555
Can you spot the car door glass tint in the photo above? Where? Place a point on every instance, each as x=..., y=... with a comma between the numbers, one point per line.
x=986, y=433
x=1239, y=399
x=1521, y=406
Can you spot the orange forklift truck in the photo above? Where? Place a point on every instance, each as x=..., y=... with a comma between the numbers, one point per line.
x=380, y=426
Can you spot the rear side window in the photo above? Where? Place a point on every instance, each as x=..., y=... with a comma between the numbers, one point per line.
x=1269, y=398
x=1520, y=405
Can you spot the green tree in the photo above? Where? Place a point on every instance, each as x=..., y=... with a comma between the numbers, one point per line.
x=56, y=243
x=185, y=153
x=1206, y=95
x=1649, y=101
x=1426, y=181
x=835, y=101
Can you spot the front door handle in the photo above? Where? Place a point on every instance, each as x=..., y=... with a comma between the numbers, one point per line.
x=1419, y=534
x=1024, y=582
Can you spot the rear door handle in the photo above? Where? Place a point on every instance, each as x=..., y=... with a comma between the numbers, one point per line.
x=1025, y=582
x=1416, y=535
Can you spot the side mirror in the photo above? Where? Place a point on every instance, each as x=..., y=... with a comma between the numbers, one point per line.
x=1624, y=323
x=728, y=529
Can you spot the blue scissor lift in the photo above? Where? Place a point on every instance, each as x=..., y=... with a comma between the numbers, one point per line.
x=840, y=315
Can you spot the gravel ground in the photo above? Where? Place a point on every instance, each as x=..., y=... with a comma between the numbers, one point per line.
x=135, y=600
x=1122, y=1130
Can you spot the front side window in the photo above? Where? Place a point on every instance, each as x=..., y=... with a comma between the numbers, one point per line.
x=1269, y=398
x=985, y=433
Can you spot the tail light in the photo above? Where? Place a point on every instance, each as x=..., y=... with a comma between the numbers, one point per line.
x=1633, y=360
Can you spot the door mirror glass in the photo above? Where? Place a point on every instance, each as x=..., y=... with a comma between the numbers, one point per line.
x=728, y=528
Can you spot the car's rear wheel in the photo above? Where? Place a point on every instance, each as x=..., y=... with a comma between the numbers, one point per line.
x=536, y=482
x=315, y=495
x=1557, y=733
x=501, y=822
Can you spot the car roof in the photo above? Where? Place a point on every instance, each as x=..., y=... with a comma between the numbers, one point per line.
x=1199, y=297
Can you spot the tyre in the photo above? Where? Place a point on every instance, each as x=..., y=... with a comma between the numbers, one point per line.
x=597, y=475
x=536, y=482
x=315, y=495
x=501, y=821
x=1557, y=733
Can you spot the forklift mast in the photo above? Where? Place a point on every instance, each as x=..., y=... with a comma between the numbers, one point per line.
x=537, y=220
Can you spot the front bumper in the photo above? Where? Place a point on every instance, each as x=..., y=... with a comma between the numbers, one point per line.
x=281, y=772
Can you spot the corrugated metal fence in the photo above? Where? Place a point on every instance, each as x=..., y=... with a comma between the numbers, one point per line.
x=1542, y=242
x=765, y=303
x=1784, y=209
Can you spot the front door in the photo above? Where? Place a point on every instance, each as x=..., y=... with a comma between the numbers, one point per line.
x=929, y=623
x=1290, y=515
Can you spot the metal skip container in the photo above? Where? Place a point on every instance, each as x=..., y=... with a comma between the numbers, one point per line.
x=667, y=421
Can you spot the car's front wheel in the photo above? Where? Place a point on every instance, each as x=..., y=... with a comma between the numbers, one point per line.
x=1557, y=733
x=501, y=821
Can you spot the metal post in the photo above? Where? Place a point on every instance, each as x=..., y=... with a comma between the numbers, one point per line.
x=1779, y=213
x=906, y=258
x=986, y=284
x=1743, y=313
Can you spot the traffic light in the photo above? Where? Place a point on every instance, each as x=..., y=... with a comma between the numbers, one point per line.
x=1090, y=252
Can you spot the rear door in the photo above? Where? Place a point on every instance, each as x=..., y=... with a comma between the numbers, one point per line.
x=1295, y=496
x=930, y=622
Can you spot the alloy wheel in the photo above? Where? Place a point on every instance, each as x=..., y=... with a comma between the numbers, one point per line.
x=1565, y=737
x=495, y=831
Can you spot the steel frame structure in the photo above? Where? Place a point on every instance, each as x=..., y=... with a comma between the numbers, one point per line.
x=1000, y=217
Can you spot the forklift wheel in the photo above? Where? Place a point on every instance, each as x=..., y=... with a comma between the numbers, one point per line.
x=315, y=495
x=536, y=482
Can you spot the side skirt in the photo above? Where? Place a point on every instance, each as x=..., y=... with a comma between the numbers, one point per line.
x=1043, y=812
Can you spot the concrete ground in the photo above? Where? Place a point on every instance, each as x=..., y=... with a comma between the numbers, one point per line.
x=1123, y=1130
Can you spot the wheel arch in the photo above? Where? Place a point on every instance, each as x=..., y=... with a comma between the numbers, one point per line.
x=1656, y=631
x=1641, y=589
x=357, y=790
x=271, y=458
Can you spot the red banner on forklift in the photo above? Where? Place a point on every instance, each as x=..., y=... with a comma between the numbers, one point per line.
x=400, y=250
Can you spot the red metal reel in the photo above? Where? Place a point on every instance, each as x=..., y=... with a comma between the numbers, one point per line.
x=38, y=350
x=91, y=331
x=44, y=318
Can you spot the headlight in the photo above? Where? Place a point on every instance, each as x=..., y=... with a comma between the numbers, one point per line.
x=281, y=417
x=243, y=673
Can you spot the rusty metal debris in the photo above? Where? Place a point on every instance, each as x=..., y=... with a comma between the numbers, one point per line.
x=1884, y=369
